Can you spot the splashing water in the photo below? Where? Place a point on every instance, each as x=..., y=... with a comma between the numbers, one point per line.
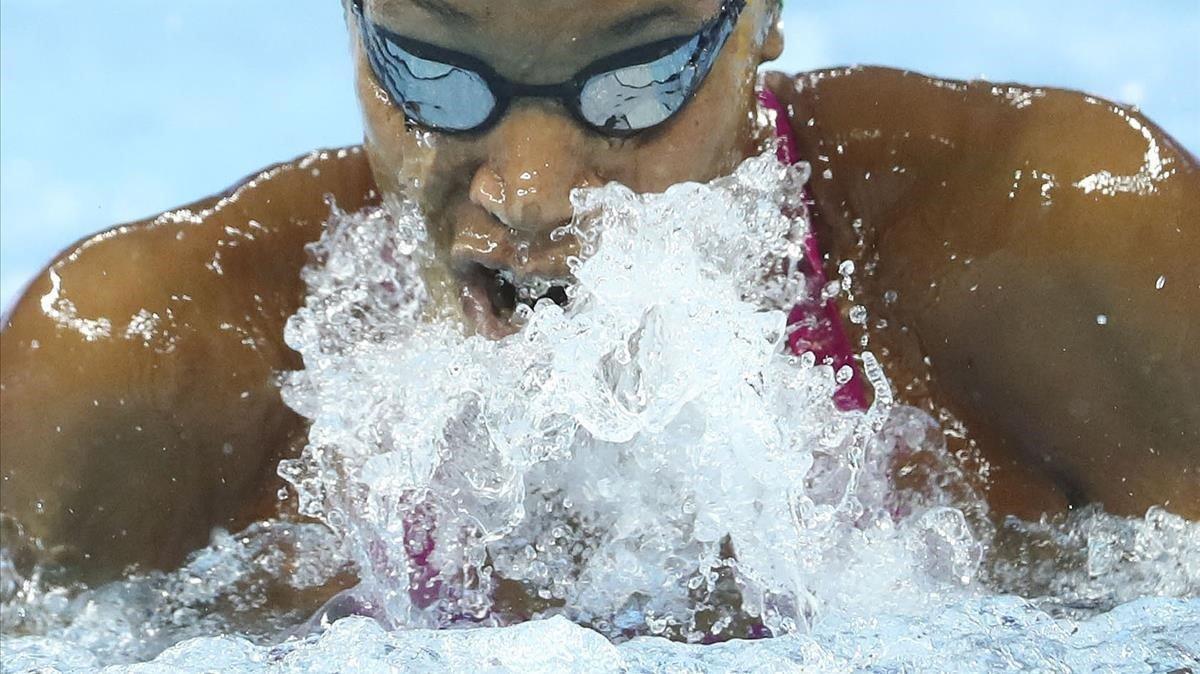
x=634, y=462
x=649, y=460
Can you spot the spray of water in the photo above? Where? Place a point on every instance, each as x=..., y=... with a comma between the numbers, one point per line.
x=650, y=459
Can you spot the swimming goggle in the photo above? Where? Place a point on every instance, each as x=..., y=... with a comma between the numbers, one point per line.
x=619, y=95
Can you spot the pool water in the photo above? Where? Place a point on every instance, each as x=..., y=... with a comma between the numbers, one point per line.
x=639, y=481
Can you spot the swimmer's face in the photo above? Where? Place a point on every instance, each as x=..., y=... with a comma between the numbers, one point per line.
x=495, y=194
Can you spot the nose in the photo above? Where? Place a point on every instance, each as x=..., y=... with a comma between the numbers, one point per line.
x=535, y=156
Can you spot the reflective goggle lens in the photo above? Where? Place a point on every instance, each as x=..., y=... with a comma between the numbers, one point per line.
x=432, y=94
x=622, y=100
x=640, y=96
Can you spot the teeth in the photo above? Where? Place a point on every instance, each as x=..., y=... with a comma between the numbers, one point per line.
x=503, y=296
x=531, y=289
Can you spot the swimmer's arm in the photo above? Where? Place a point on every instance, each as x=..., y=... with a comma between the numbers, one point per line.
x=139, y=408
x=107, y=455
x=1043, y=245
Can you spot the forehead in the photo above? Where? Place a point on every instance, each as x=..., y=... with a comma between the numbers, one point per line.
x=552, y=36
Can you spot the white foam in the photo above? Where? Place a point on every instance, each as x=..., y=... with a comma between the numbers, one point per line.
x=980, y=634
x=649, y=460
x=610, y=455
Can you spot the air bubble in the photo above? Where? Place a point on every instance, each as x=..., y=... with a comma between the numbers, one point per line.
x=844, y=374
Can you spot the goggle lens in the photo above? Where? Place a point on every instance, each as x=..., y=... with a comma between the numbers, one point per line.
x=451, y=92
x=642, y=96
x=432, y=94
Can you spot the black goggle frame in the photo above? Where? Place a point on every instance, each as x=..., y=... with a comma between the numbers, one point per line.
x=712, y=37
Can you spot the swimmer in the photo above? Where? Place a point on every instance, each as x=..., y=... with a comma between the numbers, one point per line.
x=1027, y=257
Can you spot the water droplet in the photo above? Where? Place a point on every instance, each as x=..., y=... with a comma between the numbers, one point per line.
x=844, y=374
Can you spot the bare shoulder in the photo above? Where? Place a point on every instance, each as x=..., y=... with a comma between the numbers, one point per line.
x=252, y=229
x=1041, y=243
x=137, y=390
x=872, y=97
x=1043, y=173
x=863, y=118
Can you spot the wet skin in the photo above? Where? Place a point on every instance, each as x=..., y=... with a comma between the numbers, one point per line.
x=996, y=218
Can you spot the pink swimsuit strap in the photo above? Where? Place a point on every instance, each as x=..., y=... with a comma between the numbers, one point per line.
x=816, y=325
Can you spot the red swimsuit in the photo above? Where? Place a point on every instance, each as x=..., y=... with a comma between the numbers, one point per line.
x=817, y=325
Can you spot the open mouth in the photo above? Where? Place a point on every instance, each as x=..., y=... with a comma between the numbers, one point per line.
x=491, y=297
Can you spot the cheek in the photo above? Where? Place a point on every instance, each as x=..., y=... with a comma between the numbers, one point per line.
x=419, y=164
x=709, y=138
x=392, y=149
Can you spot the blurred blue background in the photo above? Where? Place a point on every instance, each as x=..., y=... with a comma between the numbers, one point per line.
x=112, y=111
